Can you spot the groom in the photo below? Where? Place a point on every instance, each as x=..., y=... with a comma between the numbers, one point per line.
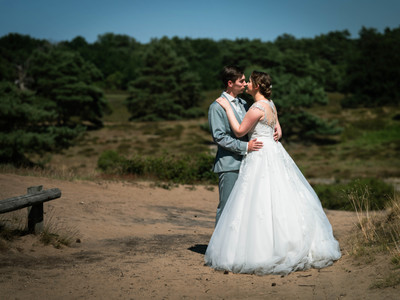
x=230, y=148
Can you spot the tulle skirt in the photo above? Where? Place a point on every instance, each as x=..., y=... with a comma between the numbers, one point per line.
x=273, y=222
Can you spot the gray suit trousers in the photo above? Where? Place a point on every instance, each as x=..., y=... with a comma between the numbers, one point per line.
x=226, y=182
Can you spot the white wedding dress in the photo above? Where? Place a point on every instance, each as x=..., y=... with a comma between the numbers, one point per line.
x=273, y=222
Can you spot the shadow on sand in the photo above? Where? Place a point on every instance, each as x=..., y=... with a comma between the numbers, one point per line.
x=201, y=249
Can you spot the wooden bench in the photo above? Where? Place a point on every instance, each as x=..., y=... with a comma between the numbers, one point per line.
x=34, y=201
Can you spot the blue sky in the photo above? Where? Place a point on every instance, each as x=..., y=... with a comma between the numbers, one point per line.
x=57, y=20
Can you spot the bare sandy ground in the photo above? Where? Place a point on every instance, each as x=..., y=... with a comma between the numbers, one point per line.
x=144, y=242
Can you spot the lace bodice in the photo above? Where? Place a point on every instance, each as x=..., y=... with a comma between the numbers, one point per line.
x=265, y=127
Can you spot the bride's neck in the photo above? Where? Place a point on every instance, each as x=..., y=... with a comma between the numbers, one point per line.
x=259, y=96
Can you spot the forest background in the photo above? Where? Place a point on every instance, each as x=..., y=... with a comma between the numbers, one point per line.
x=117, y=107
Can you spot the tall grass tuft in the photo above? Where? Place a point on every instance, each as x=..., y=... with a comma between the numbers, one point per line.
x=13, y=226
x=378, y=232
x=57, y=234
x=378, y=229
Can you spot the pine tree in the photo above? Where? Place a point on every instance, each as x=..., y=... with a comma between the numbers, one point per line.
x=26, y=128
x=373, y=71
x=165, y=88
x=292, y=95
x=15, y=50
x=65, y=83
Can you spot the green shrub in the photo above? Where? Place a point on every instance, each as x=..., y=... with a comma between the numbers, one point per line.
x=136, y=165
x=335, y=196
x=110, y=162
x=187, y=169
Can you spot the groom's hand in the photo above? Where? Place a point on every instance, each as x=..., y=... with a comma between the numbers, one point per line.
x=254, y=145
x=277, y=134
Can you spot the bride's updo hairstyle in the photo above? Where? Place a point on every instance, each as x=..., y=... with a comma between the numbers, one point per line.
x=263, y=81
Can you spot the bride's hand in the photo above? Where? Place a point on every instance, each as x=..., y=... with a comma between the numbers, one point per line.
x=223, y=102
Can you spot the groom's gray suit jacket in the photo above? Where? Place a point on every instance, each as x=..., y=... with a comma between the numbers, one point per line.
x=230, y=148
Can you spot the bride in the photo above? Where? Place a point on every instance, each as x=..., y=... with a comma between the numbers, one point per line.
x=273, y=222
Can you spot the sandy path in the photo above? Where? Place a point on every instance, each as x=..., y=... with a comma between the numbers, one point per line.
x=142, y=242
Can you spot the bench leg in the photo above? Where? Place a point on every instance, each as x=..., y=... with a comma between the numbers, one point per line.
x=35, y=213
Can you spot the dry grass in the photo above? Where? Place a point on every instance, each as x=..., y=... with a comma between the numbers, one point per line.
x=63, y=173
x=378, y=228
x=56, y=233
x=378, y=233
x=130, y=139
x=13, y=226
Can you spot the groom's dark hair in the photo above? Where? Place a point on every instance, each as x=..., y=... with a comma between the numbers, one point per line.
x=232, y=73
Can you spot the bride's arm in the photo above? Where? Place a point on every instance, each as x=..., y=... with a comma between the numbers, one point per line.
x=250, y=119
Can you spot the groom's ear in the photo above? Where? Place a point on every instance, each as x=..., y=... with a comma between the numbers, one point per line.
x=230, y=83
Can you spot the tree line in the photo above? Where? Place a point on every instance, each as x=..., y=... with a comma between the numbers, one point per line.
x=51, y=92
